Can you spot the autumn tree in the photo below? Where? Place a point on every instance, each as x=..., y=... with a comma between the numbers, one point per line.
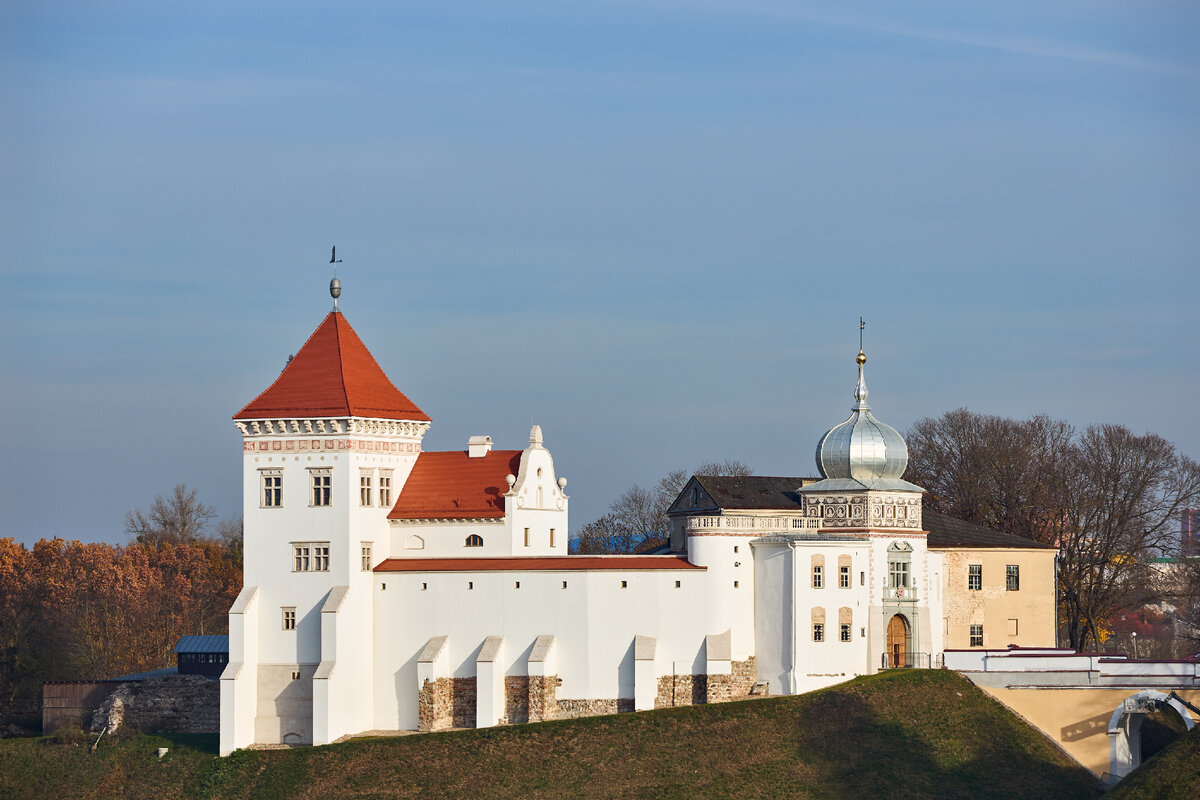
x=1107, y=497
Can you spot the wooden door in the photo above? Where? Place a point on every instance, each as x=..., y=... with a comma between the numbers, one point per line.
x=897, y=641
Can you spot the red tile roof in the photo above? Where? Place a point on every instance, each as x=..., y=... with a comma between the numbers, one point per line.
x=333, y=375
x=452, y=485
x=536, y=563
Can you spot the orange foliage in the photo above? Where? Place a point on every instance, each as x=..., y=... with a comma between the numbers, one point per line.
x=70, y=610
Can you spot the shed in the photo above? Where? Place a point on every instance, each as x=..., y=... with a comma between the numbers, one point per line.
x=202, y=655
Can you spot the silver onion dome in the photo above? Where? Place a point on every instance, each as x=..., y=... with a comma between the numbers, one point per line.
x=862, y=448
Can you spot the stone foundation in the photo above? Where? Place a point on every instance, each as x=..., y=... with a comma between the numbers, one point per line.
x=686, y=690
x=172, y=704
x=516, y=699
x=722, y=688
x=446, y=703
x=543, y=698
x=572, y=709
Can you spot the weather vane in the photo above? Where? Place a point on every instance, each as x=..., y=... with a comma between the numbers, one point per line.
x=861, y=357
x=335, y=286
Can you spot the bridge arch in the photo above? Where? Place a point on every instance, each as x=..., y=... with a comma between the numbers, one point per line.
x=1125, y=728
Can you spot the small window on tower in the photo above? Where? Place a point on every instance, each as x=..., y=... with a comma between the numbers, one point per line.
x=272, y=488
x=366, y=556
x=322, y=486
x=552, y=537
x=364, y=489
x=289, y=619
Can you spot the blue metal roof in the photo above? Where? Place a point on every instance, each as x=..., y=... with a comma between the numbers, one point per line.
x=202, y=644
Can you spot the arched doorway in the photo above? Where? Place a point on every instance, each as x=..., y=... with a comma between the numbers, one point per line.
x=897, y=641
x=1125, y=728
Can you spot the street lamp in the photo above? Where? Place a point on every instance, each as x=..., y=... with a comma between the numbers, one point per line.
x=1134, y=635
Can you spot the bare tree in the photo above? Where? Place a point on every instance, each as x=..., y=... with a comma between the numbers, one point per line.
x=1108, y=498
x=178, y=519
x=637, y=520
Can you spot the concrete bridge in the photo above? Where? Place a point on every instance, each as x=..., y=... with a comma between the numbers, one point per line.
x=1091, y=704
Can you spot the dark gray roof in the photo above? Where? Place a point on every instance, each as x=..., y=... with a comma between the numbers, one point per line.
x=202, y=644
x=154, y=673
x=753, y=491
x=950, y=532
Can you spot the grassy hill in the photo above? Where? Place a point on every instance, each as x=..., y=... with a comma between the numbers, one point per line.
x=902, y=734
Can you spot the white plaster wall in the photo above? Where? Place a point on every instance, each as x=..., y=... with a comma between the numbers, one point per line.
x=448, y=539
x=593, y=620
x=832, y=660
x=773, y=624
x=729, y=559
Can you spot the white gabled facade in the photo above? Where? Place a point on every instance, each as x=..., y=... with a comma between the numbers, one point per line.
x=389, y=588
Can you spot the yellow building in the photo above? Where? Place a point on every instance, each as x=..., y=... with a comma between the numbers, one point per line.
x=997, y=589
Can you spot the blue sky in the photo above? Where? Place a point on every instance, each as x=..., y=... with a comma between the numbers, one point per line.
x=650, y=227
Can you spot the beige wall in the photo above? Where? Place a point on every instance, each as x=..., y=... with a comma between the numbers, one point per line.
x=1031, y=606
x=1077, y=719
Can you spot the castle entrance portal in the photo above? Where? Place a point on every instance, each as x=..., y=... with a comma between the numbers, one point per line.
x=897, y=641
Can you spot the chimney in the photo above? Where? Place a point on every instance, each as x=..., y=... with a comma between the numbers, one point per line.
x=479, y=446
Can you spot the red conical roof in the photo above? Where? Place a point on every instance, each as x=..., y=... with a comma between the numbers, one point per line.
x=333, y=375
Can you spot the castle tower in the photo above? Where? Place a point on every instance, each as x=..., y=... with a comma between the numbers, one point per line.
x=862, y=491
x=326, y=450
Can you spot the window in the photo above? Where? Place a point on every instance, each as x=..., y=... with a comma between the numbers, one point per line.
x=301, y=558
x=272, y=488
x=845, y=633
x=974, y=577
x=624, y=584
x=844, y=577
x=735, y=584
x=366, y=556
x=678, y=584
x=976, y=636
x=474, y=540
x=527, y=537
x=424, y=586
x=564, y=584
x=862, y=578
x=470, y=584
x=898, y=574
x=289, y=619
x=818, y=631
x=516, y=584
x=695, y=496
x=735, y=547
x=1012, y=577
x=552, y=537
x=385, y=487
x=1012, y=627
x=322, y=486
x=818, y=579
x=310, y=556
x=364, y=489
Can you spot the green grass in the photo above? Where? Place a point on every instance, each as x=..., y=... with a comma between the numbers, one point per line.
x=1172, y=773
x=902, y=734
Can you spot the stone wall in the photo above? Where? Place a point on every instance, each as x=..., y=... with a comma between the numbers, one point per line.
x=446, y=703
x=571, y=709
x=737, y=686
x=171, y=704
x=543, y=698
x=686, y=690
x=516, y=699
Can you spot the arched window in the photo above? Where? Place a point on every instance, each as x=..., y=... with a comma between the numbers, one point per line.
x=474, y=540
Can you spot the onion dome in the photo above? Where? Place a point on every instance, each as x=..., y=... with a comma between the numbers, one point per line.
x=862, y=452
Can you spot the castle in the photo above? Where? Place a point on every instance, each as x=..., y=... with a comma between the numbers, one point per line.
x=390, y=588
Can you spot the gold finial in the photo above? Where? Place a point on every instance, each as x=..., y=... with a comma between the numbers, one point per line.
x=862, y=357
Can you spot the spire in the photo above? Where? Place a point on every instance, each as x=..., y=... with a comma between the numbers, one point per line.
x=335, y=286
x=860, y=391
